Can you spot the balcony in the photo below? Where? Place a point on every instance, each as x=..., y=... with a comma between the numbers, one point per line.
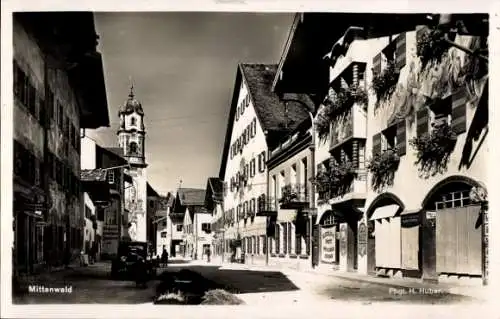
x=294, y=196
x=341, y=183
x=353, y=125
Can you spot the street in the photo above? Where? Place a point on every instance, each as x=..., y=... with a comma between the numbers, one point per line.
x=92, y=285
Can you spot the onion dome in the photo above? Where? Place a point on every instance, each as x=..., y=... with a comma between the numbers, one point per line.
x=131, y=105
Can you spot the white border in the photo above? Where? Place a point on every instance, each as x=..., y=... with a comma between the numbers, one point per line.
x=333, y=309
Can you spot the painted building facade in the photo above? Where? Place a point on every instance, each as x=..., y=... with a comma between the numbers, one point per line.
x=387, y=203
x=51, y=103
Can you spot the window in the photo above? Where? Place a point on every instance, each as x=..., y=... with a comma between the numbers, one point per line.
x=132, y=121
x=206, y=227
x=179, y=227
x=111, y=176
x=151, y=204
x=164, y=223
x=262, y=162
x=389, y=138
x=88, y=212
x=305, y=175
x=133, y=148
x=252, y=167
x=163, y=234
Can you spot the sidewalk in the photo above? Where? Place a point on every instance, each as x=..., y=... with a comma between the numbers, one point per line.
x=477, y=292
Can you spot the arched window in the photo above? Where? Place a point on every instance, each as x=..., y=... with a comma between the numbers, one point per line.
x=132, y=121
x=133, y=148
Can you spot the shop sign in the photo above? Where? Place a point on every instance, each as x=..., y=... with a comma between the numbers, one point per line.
x=430, y=215
x=327, y=245
x=343, y=239
x=362, y=239
x=410, y=220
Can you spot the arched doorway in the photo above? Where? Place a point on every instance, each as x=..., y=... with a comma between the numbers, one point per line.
x=452, y=226
x=386, y=237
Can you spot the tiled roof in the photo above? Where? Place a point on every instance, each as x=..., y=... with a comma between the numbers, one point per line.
x=270, y=110
x=191, y=196
x=93, y=175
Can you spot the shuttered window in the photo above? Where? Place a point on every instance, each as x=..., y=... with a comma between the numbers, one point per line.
x=401, y=137
x=262, y=161
x=377, y=144
x=459, y=112
x=377, y=65
x=401, y=51
x=422, y=122
x=252, y=167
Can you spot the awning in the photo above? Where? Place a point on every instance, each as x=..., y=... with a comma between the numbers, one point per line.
x=385, y=212
x=286, y=215
x=410, y=212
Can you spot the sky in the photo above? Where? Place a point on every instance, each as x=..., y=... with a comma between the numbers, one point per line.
x=183, y=68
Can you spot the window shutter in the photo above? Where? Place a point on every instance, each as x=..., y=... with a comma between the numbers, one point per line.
x=237, y=113
x=377, y=65
x=262, y=162
x=422, y=122
x=252, y=168
x=253, y=128
x=401, y=137
x=401, y=51
x=252, y=206
x=459, y=112
x=377, y=144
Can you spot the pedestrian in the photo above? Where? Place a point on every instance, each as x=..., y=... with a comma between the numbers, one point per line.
x=208, y=254
x=164, y=257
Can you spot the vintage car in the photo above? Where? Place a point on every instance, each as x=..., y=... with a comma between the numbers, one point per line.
x=128, y=254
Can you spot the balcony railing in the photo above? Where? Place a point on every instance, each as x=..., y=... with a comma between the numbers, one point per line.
x=294, y=196
x=335, y=191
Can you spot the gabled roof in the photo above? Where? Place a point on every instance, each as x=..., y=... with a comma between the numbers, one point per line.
x=191, y=196
x=214, y=192
x=150, y=191
x=273, y=115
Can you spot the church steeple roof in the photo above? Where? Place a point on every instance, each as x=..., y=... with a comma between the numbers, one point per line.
x=132, y=104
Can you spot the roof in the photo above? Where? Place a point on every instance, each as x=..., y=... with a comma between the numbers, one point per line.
x=93, y=175
x=115, y=150
x=131, y=105
x=214, y=192
x=274, y=116
x=191, y=196
x=150, y=191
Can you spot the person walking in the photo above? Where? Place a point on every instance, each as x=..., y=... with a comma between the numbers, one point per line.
x=164, y=257
x=208, y=252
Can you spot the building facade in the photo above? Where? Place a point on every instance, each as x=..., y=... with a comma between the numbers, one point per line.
x=132, y=138
x=55, y=95
x=401, y=141
x=258, y=121
x=214, y=205
x=291, y=185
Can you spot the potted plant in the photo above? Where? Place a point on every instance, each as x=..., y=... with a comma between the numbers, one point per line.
x=384, y=83
x=431, y=46
x=382, y=167
x=322, y=125
x=342, y=176
x=434, y=149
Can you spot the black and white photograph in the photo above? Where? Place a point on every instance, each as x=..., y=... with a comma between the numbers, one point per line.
x=262, y=159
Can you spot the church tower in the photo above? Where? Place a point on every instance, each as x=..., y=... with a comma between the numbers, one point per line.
x=131, y=138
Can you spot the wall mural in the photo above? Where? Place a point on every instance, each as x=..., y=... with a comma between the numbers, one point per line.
x=420, y=86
